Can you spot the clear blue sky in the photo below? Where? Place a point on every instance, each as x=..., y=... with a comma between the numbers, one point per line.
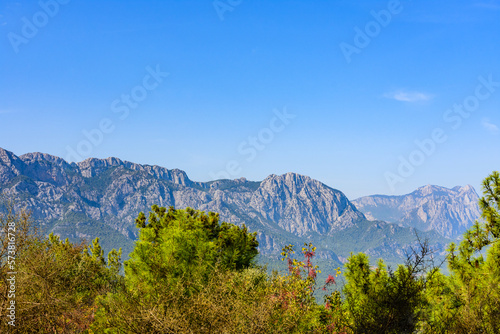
x=361, y=91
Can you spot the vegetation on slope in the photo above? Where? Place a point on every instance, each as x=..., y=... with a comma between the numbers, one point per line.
x=190, y=273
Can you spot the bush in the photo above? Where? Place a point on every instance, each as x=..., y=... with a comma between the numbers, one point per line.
x=56, y=281
x=182, y=260
x=468, y=301
x=190, y=274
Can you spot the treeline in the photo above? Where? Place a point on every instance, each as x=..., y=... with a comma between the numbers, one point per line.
x=190, y=273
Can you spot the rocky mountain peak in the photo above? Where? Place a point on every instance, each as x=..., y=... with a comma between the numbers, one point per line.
x=34, y=157
x=430, y=190
x=6, y=156
x=10, y=165
x=448, y=211
x=289, y=180
x=468, y=189
x=92, y=167
x=102, y=197
x=300, y=204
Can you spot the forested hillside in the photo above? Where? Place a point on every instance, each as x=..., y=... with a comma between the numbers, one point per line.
x=190, y=272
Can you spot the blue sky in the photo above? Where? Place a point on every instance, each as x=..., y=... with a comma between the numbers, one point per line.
x=366, y=96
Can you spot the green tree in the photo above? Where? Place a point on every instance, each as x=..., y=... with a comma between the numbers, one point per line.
x=379, y=300
x=56, y=281
x=16, y=234
x=183, y=246
x=468, y=301
x=181, y=255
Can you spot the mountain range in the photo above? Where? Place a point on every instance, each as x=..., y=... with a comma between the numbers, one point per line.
x=447, y=211
x=102, y=198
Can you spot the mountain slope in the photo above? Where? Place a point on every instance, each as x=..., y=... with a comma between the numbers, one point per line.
x=448, y=211
x=102, y=197
x=300, y=205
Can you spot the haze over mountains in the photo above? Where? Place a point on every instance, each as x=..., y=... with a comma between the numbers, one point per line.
x=102, y=198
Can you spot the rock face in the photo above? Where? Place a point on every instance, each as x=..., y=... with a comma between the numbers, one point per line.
x=102, y=197
x=447, y=211
x=299, y=205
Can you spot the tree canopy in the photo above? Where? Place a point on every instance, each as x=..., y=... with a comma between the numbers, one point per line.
x=185, y=245
x=191, y=273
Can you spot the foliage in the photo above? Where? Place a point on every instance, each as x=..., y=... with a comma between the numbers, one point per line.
x=190, y=273
x=178, y=257
x=56, y=281
x=379, y=300
x=468, y=301
x=12, y=245
x=418, y=297
x=183, y=246
x=293, y=294
x=228, y=302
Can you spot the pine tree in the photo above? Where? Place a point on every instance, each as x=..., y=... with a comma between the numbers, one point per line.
x=468, y=301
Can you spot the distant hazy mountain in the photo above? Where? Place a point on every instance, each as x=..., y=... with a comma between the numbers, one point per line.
x=102, y=197
x=448, y=211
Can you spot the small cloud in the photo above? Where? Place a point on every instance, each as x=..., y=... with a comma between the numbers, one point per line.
x=493, y=128
x=408, y=96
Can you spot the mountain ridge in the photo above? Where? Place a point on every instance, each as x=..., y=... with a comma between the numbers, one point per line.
x=102, y=198
x=114, y=191
x=448, y=211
